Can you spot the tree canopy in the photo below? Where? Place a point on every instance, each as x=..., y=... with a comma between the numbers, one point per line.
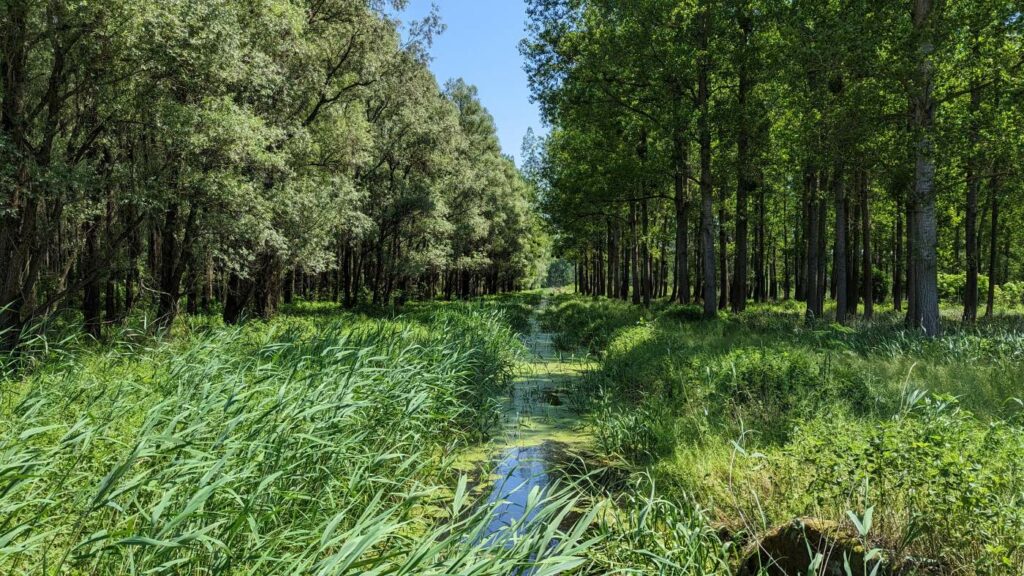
x=228, y=155
x=811, y=149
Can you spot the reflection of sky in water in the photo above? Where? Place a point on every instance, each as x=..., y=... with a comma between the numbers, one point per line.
x=519, y=471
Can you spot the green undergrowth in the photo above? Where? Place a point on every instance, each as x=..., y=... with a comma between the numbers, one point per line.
x=315, y=443
x=759, y=418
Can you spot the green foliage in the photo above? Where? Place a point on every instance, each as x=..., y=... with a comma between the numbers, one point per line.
x=251, y=150
x=953, y=287
x=309, y=444
x=587, y=325
x=772, y=389
x=640, y=433
x=559, y=274
x=762, y=418
x=647, y=534
x=943, y=481
x=1010, y=295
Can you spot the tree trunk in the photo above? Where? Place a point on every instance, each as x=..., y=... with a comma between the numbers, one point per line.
x=852, y=247
x=839, y=265
x=971, y=222
x=744, y=178
x=706, y=191
x=634, y=255
x=993, y=250
x=761, y=292
x=811, y=259
x=170, y=273
x=89, y=272
x=646, y=255
x=682, y=205
x=925, y=222
x=239, y=293
x=867, y=271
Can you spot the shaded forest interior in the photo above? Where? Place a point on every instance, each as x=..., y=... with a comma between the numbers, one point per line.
x=722, y=152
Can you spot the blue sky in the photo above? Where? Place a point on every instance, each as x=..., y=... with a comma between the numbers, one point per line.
x=480, y=45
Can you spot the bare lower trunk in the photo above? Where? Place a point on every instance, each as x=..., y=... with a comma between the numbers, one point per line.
x=993, y=250
x=867, y=270
x=971, y=222
x=925, y=223
x=706, y=191
x=839, y=266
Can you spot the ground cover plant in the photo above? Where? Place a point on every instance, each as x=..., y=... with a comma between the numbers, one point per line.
x=759, y=418
x=313, y=443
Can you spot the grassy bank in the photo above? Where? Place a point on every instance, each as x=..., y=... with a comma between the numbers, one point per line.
x=319, y=443
x=759, y=418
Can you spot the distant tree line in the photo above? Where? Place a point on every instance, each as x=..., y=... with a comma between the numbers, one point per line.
x=229, y=155
x=722, y=151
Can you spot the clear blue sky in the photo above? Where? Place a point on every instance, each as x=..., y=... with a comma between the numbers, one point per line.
x=481, y=45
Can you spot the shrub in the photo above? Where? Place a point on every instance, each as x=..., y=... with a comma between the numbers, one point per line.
x=684, y=313
x=1010, y=295
x=952, y=287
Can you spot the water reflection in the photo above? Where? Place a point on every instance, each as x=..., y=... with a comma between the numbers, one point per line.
x=520, y=470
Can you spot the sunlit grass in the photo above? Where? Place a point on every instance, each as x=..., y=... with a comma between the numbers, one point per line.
x=317, y=443
x=760, y=418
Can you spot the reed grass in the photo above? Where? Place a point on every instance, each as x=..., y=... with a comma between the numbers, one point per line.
x=313, y=444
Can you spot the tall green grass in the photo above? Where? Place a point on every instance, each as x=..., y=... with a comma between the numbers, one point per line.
x=307, y=445
x=760, y=418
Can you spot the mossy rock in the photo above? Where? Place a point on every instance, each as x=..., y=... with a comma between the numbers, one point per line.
x=789, y=550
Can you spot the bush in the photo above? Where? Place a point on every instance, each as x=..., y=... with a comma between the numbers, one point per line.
x=1010, y=295
x=881, y=284
x=684, y=313
x=952, y=287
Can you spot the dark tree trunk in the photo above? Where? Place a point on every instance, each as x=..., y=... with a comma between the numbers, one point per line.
x=993, y=250
x=971, y=222
x=91, y=279
x=897, y=265
x=723, y=260
x=634, y=254
x=840, y=259
x=646, y=255
x=867, y=271
x=706, y=190
x=170, y=270
x=786, y=272
x=822, y=260
x=805, y=274
x=852, y=248
x=744, y=178
x=811, y=259
x=240, y=291
x=761, y=254
x=682, y=205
